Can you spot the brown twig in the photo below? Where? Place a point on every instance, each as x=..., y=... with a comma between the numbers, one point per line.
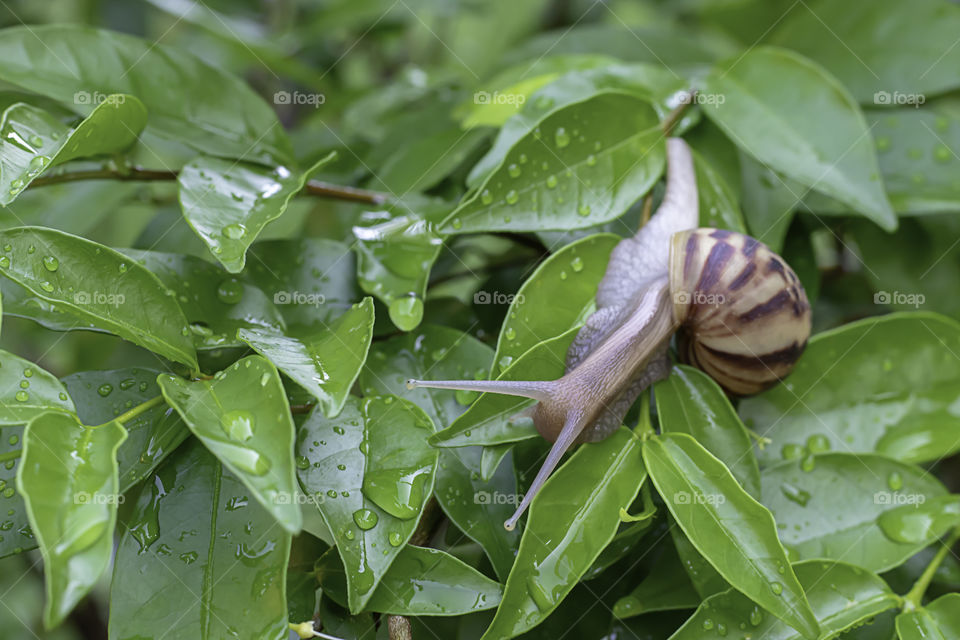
x=137, y=174
x=674, y=116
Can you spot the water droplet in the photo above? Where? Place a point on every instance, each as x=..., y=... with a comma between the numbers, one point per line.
x=561, y=137
x=818, y=443
x=31, y=249
x=942, y=154
x=13, y=440
x=895, y=481
x=756, y=616
x=22, y=396
x=776, y=587
x=591, y=160
x=808, y=463
x=514, y=170
x=365, y=518
x=510, y=333
x=576, y=264
x=708, y=624
x=795, y=494
x=51, y=263
x=47, y=286
x=512, y=196
x=395, y=539
x=791, y=451
x=28, y=373
x=883, y=143
x=584, y=210
x=457, y=223
x=406, y=312
x=234, y=231
x=486, y=197
x=238, y=424
x=105, y=389
x=230, y=291
x=4, y=262
x=551, y=181
x=399, y=492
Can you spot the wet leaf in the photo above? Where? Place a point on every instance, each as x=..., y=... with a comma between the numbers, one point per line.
x=583, y=165
x=887, y=385
x=734, y=532
x=97, y=285
x=68, y=479
x=194, y=547
x=938, y=620
x=228, y=203
x=361, y=468
x=27, y=391
x=326, y=362
x=243, y=418
x=767, y=110
x=855, y=490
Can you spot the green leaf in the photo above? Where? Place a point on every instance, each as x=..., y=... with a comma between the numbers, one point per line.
x=585, y=164
x=718, y=203
x=705, y=579
x=854, y=43
x=100, y=396
x=571, y=520
x=31, y=139
x=243, y=418
x=326, y=362
x=887, y=385
x=921, y=522
x=767, y=109
x=856, y=490
x=690, y=402
x=841, y=596
x=427, y=159
x=477, y=506
x=650, y=82
x=197, y=558
x=769, y=201
x=362, y=468
x=27, y=391
x=939, y=620
x=97, y=285
x=666, y=588
x=917, y=157
x=488, y=420
x=556, y=297
x=396, y=249
x=215, y=303
x=15, y=534
x=311, y=289
x=228, y=203
x=188, y=100
x=420, y=582
x=68, y=480
x=735, y=533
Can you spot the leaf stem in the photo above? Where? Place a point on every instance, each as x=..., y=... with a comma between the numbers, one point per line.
x=138, y=174
x=914, y=598
x=140, y=408
x=645, y=426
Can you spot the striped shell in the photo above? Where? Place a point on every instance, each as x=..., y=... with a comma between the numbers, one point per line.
x=744, y=315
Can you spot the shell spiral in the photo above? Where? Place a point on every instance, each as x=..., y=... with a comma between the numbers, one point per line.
x=743, y=314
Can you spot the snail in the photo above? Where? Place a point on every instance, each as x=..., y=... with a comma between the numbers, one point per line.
x=740, y=312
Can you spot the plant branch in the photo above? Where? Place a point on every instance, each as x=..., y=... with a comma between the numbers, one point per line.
x=914, y=598
x=138, y=174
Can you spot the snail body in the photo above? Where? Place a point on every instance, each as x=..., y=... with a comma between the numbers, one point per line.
x=740, y=312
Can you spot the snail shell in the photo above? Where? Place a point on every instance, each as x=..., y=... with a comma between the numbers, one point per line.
x=744, y=315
